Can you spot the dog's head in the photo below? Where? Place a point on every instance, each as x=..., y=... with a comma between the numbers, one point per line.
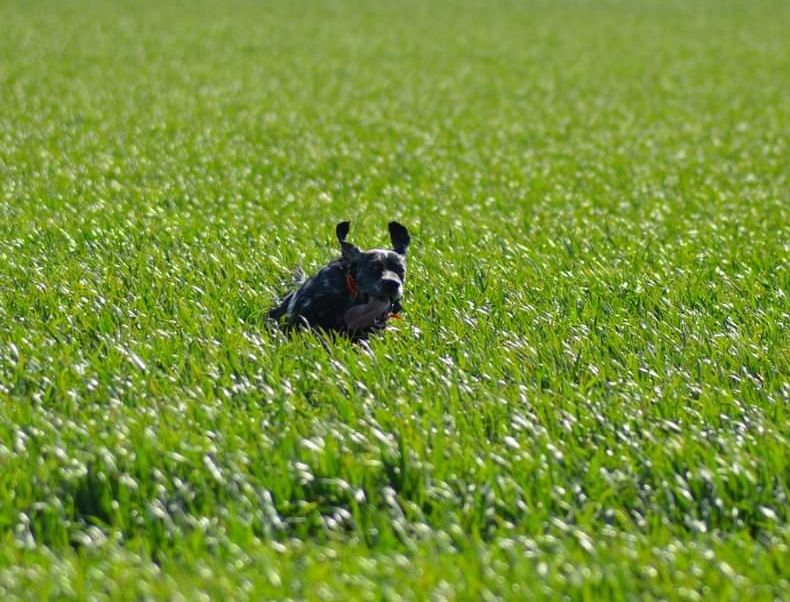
x=378, y=273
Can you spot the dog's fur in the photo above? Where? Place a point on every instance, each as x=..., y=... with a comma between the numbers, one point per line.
x=350, y=280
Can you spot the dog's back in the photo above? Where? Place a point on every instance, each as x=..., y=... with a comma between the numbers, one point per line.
x=320, y=301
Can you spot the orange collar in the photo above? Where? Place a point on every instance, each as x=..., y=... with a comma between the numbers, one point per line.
x=352, y=287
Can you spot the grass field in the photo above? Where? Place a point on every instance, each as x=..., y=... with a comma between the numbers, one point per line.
x=589, y=393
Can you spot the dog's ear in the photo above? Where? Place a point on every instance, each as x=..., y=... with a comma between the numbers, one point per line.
x=342, y=230
x=349, y=250
x=400, y=238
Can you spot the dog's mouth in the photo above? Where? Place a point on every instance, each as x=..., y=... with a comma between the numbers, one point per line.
x=369, y=311
x=365, y=297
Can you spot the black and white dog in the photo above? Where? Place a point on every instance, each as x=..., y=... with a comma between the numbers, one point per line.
x=354, y=294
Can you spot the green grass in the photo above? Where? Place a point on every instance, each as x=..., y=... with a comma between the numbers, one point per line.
x=588, y=393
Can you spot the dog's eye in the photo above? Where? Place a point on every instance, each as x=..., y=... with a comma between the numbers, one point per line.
x=397, y=268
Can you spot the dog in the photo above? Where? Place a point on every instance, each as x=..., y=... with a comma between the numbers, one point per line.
x=356, y=294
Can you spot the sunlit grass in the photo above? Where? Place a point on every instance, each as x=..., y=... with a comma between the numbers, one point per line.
x=588, y=393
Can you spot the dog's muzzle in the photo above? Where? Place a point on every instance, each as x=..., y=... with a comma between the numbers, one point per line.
x=379, y=304
x=389, y=287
